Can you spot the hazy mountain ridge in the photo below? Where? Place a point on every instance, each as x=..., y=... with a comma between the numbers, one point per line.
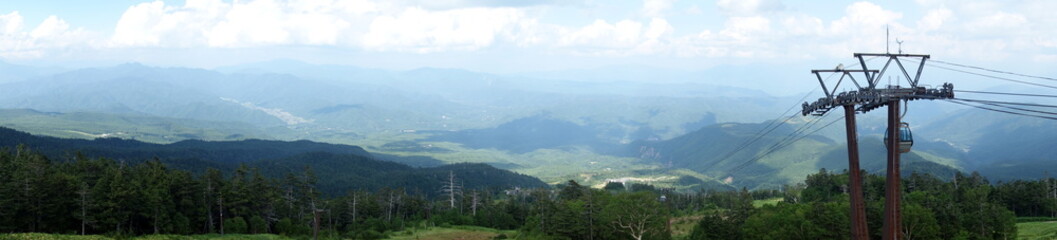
x=340, y=168
x=1001, y=146
x=421, y=99
x=496, y=119
x=710, y=151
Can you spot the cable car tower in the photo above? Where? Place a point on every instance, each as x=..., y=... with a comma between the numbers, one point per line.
x=869, y=95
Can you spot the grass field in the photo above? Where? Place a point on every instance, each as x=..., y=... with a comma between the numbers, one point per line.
x=453, y=233
x=1037, y=230
x=769, y=201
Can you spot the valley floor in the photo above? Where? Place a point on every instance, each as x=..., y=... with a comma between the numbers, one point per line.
x=455, y=232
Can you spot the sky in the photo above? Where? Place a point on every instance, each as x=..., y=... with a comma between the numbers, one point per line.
x=525, y=35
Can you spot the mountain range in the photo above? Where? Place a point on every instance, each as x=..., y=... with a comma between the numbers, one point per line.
x=555, y=125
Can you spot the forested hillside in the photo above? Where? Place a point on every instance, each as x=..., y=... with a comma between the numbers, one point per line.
x=341, y=167
x=730, y=149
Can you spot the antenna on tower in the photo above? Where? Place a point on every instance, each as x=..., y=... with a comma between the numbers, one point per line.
x=900, y=45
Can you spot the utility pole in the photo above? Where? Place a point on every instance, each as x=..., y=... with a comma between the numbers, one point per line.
x=868, y=96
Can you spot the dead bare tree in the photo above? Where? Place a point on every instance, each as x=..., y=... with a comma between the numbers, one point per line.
x=83, y=191
x=474, y=202
x=451, y=189
x=352, y=206
x=636, y=215
x=209, y=206
x=220, y=202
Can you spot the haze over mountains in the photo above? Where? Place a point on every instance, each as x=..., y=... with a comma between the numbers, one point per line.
x=552, y=125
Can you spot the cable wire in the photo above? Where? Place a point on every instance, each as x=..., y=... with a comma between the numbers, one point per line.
x=782, y=142
x=995, y=71
x=1005, y=93
x=995, y=77
x=1016, y=108
x=1007, y=103
x=999, y=110
x=793, y=134
x=770, y=127
x=783, y=146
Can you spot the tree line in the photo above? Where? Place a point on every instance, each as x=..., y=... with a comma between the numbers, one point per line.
x=85, y=195
x=958, y=207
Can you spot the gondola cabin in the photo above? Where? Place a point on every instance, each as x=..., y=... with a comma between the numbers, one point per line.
x=906, y=138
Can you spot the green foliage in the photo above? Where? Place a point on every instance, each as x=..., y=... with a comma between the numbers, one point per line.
x=1036, y=219
x=134, y=199
x=571, y=191
x=452, y=218
x=716, y=226
x=370, y=235
x=919, y=222
x=823, y=187
x=964, y=208
x=235, y=225
x=43, y=236
x=639, y=215
x=340, y=167
x=257, y=225
x=288, y=227
x=1029, y=198
x=615, y=187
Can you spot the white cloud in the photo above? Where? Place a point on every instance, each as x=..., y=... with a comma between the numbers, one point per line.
x=11, y=23
x=155, y=24
x=656, y=8
x=52, y=34
x=423, y=31
x=625, y=37
x=256, y=22
x=999, y=23
x=749, y=7
x=864, y=18
x=934, y=19
x=750, y=29
x=214, y=23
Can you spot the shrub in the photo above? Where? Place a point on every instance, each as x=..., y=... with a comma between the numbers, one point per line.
x=235, y=225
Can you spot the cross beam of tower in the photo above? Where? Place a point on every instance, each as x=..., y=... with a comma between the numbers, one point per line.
x=866, y=96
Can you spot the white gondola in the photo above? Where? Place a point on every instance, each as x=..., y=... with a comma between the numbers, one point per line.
x=906, y=138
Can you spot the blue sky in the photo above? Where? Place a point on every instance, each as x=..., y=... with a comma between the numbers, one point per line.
x=522, y=35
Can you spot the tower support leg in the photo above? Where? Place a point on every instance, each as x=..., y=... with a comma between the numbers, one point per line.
x=859, y=231
x=892, y=216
